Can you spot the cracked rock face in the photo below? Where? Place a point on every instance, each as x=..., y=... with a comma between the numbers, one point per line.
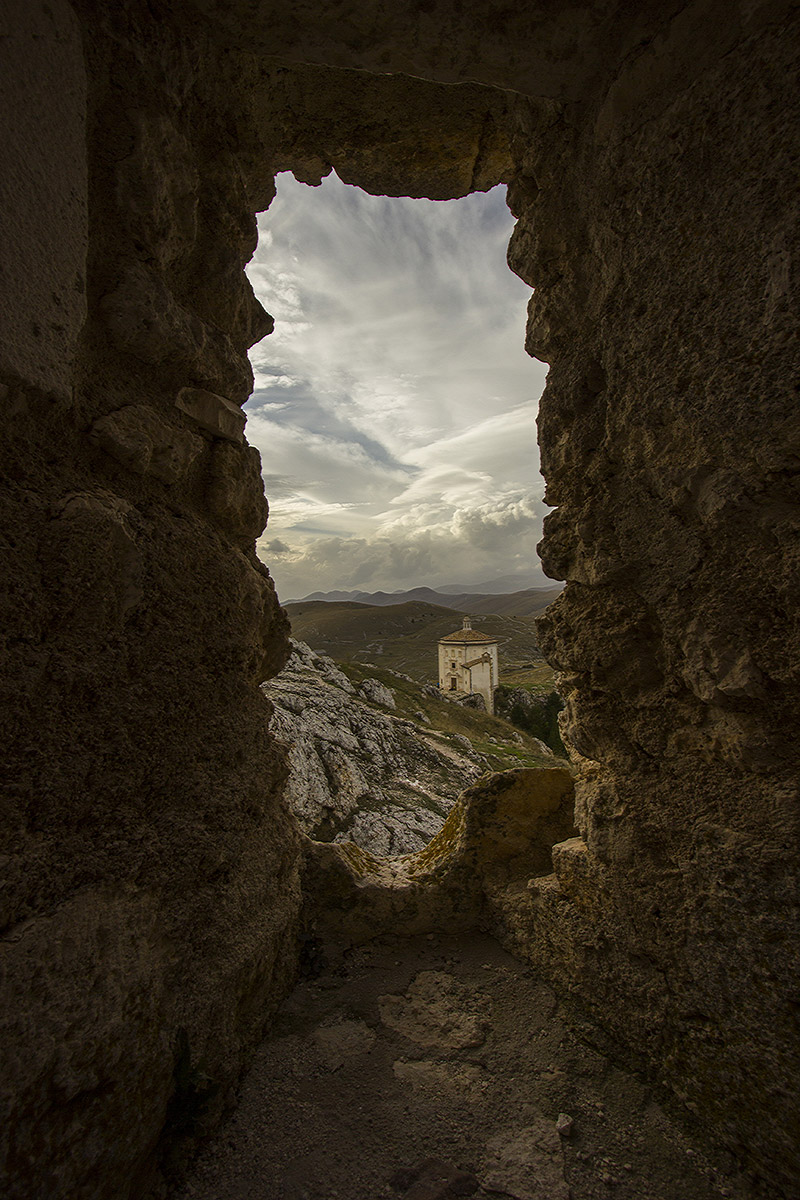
x=356, y=773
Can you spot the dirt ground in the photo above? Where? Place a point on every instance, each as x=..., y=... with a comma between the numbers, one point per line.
x=441, y=1067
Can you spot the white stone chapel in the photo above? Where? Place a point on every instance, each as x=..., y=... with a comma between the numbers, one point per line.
x=468, y=664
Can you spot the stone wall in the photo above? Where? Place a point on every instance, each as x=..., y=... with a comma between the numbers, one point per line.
x=662, y=236
x=152, y=898
x=151, y=894
x=150, y=874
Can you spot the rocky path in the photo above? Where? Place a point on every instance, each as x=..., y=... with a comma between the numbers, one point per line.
x=437, y=1068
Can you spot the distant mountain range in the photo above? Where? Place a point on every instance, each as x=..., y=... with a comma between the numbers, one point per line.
x=494, y=587
x=527, y=602
x=404, y=636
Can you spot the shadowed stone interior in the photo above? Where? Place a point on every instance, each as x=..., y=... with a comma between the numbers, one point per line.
x=153, y=907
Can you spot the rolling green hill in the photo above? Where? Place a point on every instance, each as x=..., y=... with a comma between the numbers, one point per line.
x=502, y=744
x=403, y=637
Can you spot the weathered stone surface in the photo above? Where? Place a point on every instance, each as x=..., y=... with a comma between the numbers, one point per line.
x=150, y=897
x=218, y=416
x=145, y=320
x=101, y=575
x=436, y=1010
x=43, y=192
x=374, y=691
x=667, y=391
x=393, y=828
x=138, y=438
x=546, y=52
x=157, y=187
x=456, y=139
x=527, y=1164
x=235, y=493
x=101, y=939
x=498, y=836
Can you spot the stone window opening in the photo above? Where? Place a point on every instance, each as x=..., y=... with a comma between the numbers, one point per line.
x=152, y=856
x=395, y=178
x=266, y=357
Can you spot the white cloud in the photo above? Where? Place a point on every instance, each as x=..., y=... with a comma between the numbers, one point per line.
x=474, y=544
x=394, y=406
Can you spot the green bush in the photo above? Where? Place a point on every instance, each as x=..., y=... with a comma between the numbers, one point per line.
x=536, y=715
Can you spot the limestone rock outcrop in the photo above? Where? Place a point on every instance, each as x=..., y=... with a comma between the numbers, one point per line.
x=357, y=773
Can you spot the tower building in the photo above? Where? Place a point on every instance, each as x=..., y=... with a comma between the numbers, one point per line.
x=468, y=664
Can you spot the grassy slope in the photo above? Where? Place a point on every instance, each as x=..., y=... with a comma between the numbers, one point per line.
x=520, y=604
x=404, y=638
x=511, y=747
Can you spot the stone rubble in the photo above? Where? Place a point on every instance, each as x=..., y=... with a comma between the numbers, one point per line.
x=564, y=1124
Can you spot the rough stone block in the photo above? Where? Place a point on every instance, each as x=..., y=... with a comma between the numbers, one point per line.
x=145, y=320
x=137, y=437
x=576, y=871
x=214, y=413
x=235, y=493
x=96, y=564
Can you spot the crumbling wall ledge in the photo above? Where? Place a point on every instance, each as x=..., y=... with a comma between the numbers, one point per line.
x=497, y=839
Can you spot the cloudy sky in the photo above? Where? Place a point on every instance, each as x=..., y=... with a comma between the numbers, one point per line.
x=394, y=405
